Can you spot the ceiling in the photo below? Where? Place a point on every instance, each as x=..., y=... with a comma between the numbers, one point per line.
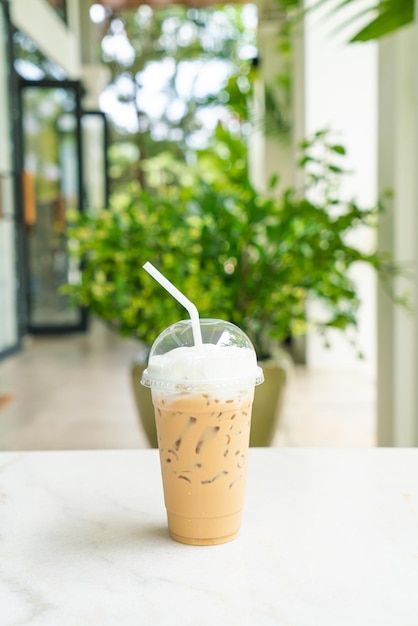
x=132, y=4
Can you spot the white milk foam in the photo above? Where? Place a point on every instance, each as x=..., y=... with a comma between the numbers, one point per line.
x=209, y=363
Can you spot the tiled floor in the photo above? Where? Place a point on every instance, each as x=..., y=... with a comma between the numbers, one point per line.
x=74, y=393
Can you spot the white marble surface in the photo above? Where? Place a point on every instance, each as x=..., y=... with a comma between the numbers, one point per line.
x=329, y=538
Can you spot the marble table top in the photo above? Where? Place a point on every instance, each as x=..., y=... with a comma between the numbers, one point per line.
x=329, y=538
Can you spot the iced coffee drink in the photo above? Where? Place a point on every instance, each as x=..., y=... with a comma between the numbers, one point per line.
x=202, y=398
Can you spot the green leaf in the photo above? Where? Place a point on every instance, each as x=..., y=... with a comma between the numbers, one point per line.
x=338, y=149
x=274, y=180
x=396, y=15
x=336, y=169
x=388, y=16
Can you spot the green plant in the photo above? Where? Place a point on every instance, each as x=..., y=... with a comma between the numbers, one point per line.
x=249, y=258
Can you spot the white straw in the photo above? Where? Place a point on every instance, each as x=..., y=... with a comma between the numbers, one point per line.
x=188, y=305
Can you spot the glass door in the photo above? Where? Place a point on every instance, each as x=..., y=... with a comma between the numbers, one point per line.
x=51, y=184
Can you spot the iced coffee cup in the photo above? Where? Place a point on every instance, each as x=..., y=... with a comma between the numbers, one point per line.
x=202, y=398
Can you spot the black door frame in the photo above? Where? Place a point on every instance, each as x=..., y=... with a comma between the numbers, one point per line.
x=14, y=174
x=77, y=87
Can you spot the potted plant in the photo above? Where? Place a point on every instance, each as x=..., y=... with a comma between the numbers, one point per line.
x=239, y=255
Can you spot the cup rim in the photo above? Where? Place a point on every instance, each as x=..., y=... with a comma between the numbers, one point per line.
x=202, y=385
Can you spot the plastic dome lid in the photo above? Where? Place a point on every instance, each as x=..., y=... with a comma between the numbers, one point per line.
x=226, y=359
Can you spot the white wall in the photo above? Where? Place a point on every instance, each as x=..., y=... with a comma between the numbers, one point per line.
x=57, y=41
x=341, y=94
x=398, y=232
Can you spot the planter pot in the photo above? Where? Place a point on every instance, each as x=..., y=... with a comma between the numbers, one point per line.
x=143, y=399
x=267, y=407
x=268, y=400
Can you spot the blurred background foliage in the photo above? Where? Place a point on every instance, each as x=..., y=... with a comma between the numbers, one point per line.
x=182, y=189
x=202, y=61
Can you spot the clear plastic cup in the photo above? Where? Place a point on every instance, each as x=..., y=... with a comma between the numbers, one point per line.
x=202, y=400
